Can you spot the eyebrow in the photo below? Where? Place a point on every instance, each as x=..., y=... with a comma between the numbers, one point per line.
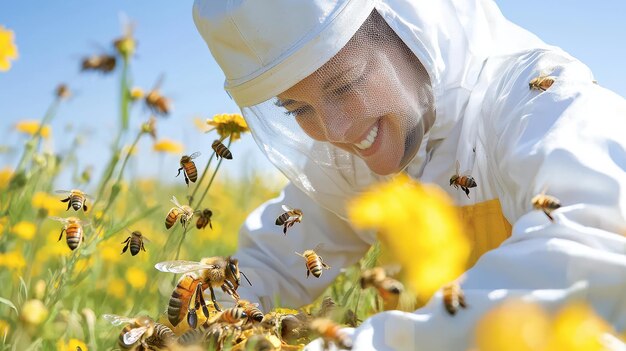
x=331, y=81
x=285, y=103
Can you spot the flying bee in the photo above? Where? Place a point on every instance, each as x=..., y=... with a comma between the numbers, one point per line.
x=217, y=271
x=182, y=212
x=204, y=218
x=541, y=83
x=135, y=242
x=331, y=333
x=190, y=172
x=75, y=199
x=290, y=217
x=136, y=330
x=252, y=310
x=221, y=150
x=378, y=277
x=453, y=298
x=157, y=103
x=103, y=63
x=73, y=231
x=546, y=203
x=464, y=181
x=314, y=263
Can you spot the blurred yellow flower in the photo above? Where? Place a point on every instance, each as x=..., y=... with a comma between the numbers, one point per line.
x=110, y=254
x=514, y=325
x=12, y=260
x=167, y=145
x=136, y=94
x=34, y=312
x=5, y=177
x=136, y=277
x=45, y=201
x=117, y=288
x=415, y=223
x=70, y=345
x=82, y=264
x=8, y=49
x=229, y=124
x=4, y=328
x=24, y=229
x=132, y=151
x=30, y=127
x=578, y=328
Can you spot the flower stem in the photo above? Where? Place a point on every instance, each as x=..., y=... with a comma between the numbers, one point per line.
x=206, y=190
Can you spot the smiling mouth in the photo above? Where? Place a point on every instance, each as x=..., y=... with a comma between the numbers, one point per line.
x=369, y=139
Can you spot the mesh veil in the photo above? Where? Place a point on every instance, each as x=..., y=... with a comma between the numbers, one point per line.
x=359, y=118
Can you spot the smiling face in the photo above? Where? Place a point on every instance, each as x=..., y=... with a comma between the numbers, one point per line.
x=373, y=99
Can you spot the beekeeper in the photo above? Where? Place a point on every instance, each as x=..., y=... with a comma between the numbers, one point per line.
x=341, y=94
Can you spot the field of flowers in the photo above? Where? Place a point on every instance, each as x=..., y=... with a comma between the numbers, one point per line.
x=53, y=297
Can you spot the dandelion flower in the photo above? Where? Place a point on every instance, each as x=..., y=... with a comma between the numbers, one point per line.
x=34, y=312
x=136, y=277
x=117, y=288
x=71, y=345
x=30, y=127
x=8, y=50
x=4, y=328
x=12, y=260
x=576, y=327
x=44, y=201
x=24, y=229
x=167, y=145
x=229, y=124
x=514, y=325
x=136, y=94
x=110, y=254
x=415, y=222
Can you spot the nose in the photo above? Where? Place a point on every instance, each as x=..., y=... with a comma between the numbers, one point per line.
x=334, y=123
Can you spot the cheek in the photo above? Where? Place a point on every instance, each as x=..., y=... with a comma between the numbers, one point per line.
x=310, y=126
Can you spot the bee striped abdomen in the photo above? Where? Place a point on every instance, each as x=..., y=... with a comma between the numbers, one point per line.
x=180, y=297
x=314, y=265
x=135, y=245
x=233, y=315
x=76, y=201
x=162, y=337
x=282, y=218
x=171, y=218
x=221, y=150
x=191, y=170
x=73, y=235
x=467, y=182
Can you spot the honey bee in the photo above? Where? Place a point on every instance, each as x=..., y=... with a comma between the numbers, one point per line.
x=378, y=278
x=214, y=272
x=453, y=298
x=103, y=63
x=135, y=242
x=464, y=181
x=75, y=199
x=546, y=203
x=221, y=150
x=182, y=212
x=73, y=231
x=541, y=83
x=142, y=330
x=232, y=315
x=190, y=172
x=252, y=310
x=290, y=217
x=156, y=102
x=204, y=218
x=331, y=333
x=314, y=263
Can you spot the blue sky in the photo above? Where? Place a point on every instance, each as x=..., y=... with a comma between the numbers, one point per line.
x=52, y=36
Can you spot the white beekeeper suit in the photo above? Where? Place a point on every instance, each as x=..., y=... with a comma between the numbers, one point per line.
x=516, y=143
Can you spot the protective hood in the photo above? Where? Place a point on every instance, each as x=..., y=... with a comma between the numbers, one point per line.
x=267, y=47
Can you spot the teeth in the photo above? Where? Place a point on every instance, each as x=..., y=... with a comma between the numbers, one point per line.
x=369, y=140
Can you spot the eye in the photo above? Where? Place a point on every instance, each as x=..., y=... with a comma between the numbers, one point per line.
x=299, y=111
x=349, y=87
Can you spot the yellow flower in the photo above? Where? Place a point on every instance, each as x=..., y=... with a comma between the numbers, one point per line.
x=117, y=288
x=514, y=325
x=419, y=227
x=136, y=94
x=110, y=254
x=167, y=145
x=70, y=345
x=51, y=204
x=577, y=328
x=4, y=328
x=82, y=264
x=132, y=151
x=5, y=177
x=34, y=312
x=229, y=124
x=8, y=50
x=30, y=127
x=136, y=277
x=13, y=260
x=24, y=229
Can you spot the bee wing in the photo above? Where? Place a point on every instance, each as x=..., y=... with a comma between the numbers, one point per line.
x=62, y=191
x=194, y=155
x=287, y=208
x=117, y=320
x=466, y=173
x=319, y=246
x=159, y=82
x=457, y=166
x=133, y=335
x=175, y=201
x=181, y=266
x=143, y=237
x=392, y=269
x=63, y=220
